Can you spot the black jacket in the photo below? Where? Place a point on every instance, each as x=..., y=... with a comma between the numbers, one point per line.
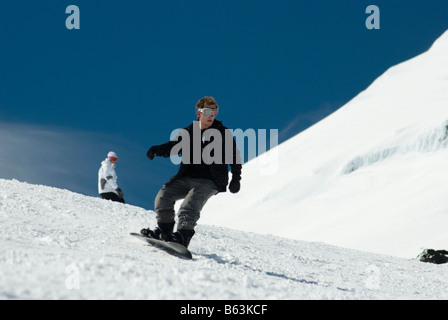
x=219, y=171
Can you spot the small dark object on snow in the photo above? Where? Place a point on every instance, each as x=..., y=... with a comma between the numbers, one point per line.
x=434, y=256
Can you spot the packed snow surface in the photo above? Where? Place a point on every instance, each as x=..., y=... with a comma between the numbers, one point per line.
x=56, y=244
x=372, y=176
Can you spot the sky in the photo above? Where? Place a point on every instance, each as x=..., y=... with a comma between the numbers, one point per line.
x=133, y=72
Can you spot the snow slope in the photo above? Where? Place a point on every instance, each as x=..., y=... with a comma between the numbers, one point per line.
x=372, y=176
x=56, y=244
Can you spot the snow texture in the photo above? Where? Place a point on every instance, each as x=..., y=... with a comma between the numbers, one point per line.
x=57, y=244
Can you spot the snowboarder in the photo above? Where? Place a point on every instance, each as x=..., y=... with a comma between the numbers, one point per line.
x=107, y=179
x=196, y=181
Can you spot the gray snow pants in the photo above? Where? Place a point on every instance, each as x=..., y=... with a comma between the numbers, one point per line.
x=195, y=193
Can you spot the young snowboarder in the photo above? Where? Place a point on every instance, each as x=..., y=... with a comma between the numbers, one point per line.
x=107, y=179
x=197, y=179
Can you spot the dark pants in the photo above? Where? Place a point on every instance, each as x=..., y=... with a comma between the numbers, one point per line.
x=111, y=196
x=195, y=193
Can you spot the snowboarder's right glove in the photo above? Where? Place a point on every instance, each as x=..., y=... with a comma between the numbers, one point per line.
x=152, y=152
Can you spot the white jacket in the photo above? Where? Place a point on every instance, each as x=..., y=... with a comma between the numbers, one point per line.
x=107, y=178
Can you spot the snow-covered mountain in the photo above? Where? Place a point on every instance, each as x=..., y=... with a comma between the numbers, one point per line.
x=57, y=244
x=372, y=176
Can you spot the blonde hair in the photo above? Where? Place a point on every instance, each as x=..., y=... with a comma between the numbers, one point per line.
x=206, y=101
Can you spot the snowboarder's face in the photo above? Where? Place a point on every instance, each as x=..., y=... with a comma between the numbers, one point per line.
x=206, y=116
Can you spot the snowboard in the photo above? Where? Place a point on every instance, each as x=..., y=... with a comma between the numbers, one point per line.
x=173, y=248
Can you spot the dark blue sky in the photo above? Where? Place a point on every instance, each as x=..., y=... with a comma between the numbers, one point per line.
x=135, y=69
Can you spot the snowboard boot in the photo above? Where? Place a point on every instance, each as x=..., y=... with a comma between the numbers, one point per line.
x=151, y=233
x=162, y=232
x=183, y=237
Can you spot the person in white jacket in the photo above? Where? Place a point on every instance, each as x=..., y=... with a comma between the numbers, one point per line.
x=107, y=179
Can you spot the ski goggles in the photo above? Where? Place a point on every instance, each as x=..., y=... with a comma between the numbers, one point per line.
x=208, y=112
x=113, y=159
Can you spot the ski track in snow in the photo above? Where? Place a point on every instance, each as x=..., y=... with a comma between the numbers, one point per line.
x=61, y=245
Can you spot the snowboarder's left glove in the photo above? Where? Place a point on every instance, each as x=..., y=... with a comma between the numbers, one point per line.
x=235, y=185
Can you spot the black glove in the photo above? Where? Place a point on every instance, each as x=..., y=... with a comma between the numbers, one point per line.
x=120, y=193
x=152, y=152
x=235, y=185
